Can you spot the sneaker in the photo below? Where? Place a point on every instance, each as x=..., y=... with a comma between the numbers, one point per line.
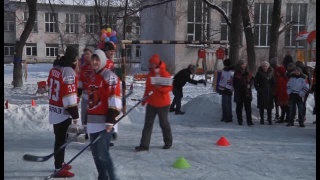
x=180, y=112
x=68, y=166
x=64, y=173
x=141, y=148
x=166, y=147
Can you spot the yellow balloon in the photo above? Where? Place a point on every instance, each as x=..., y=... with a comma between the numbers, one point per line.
x=108, y=29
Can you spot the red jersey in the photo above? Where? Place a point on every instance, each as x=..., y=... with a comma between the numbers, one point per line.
x=103, y=94
x=85, y=74
x=62, y=82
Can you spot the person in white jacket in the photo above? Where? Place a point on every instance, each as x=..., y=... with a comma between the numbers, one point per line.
x=225, y=88
x=297, y=87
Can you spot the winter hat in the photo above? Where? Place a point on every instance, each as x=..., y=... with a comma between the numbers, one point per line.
x=300, y=64
x=102, y=57
x=273, y=61
x=155, y=59
x=89, y=48
x=71, y=53
x=297, y=69
x=227, y=62
x=291, y=66
x=265, y=63
x=109, y=46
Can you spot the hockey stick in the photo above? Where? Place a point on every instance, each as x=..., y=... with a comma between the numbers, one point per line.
x=97, y=138
x=30, y=157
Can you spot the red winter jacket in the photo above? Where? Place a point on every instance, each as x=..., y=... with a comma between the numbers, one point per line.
x=281, y=86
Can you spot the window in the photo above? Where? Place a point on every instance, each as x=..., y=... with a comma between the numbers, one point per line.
x=111, y=21
x=138, y=25
x=262, y=21
x=8, y=26
x=50, y=24
x=128, y=51
x=31, y=49
x=9, y=21
x=225, y=29
x=52, y=50
x=25, y=19
x=296, y=13
x=8, y=49
x=91, y=26
x=138, y=51
x=198, y=18
x=72, y=23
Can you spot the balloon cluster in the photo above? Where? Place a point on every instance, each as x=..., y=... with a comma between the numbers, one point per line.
x=108, y=35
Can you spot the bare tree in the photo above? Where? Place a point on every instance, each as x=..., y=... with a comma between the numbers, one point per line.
x=20, y=42
x=235, y=30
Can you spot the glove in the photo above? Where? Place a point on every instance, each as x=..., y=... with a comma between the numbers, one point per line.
x=202, y=81
x=112, y=114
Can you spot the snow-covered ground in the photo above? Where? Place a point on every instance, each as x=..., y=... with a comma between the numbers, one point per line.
x=261, y=152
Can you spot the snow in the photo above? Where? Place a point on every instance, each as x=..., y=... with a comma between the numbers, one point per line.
x=261, y=152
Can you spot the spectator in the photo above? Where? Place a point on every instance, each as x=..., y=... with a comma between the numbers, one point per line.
x=157, y=104
x=297, y=87
x=287, y=59
x=313, y=90
x=86, y=72
x=274, y=65
x=63, y=101
x=226, y=90
x=242, y=84
x=264, y=84
x=281, y=93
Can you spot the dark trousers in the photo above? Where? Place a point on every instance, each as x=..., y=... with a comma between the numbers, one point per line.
x=60, y=133
x=269, y=115
x=284, y=113
x=226, y=108
x=150, y=116
x=276, y=107
x=247, y=107
x=176, y=102
x=296, y=101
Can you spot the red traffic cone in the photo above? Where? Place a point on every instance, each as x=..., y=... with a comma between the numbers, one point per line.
x=6, y=104
x=223, y=142
x=33, y=103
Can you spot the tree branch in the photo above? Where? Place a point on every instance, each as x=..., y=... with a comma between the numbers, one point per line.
x=221, y=11
x=286, y=26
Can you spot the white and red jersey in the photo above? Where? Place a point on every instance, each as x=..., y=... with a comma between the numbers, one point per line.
x=85, y=74
x=103, y=94
x=62, y=82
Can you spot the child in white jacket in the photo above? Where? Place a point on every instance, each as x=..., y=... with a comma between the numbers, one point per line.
x=297, y=87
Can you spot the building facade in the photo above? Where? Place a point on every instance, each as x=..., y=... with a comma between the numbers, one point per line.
x=77, y=26
x=193, y=20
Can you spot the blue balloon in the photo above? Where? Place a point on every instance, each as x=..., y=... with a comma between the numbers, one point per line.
x=113, y=39
x=106, y=39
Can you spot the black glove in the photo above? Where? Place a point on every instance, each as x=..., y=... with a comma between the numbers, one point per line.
x=202, y=81
x=111, y=116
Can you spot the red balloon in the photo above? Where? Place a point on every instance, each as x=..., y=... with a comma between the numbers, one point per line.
x=108, y=34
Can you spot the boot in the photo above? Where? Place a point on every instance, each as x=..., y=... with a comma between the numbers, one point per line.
x=64, y=173
x=141, y=148
x=262, y=121
x=269, y=121
x=180, y=112
x=172, y=109
x=301, y=124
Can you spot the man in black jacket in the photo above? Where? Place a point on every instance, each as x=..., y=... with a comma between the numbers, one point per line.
x=179, y=80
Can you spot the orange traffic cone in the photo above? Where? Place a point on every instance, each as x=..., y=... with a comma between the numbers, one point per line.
x=33, y=103
x=223, y=142
x=6, y=104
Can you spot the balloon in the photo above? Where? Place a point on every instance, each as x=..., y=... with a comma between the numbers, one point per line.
x=106, y=39
x=113, y=33
x=113, y=39
x=103, y=35
x=108, y=29
x=108, y=34
x=103, y=31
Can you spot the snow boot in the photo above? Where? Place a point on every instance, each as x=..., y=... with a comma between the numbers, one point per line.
x=68, y=167
x=180, y=112
x=141, y=148
x=64, y=173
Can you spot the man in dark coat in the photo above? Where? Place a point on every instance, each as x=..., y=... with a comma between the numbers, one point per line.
x=179, y=80
x=264, y=84
x=287, y=59
x=242, y=84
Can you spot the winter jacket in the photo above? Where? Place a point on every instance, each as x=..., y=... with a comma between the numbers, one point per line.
x=286, y=60
x=297, y=85
x=264, y=84
x=161, y=93
x=281, y=86
x=242, y=84
x=225, y=86
x=180, y=79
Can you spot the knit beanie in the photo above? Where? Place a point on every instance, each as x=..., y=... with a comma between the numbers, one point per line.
x=227, y=62
x=109, y=46
x=69, y=57
x=265, y=63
